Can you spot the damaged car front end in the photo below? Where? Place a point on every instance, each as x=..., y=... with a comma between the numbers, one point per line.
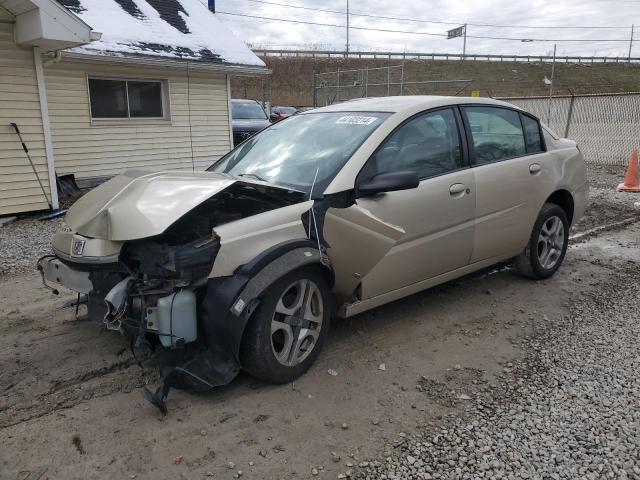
x=179, y=262
x=146, y=266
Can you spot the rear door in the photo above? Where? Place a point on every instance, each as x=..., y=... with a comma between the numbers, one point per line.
x=508, y=168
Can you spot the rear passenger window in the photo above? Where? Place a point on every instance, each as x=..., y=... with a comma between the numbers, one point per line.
x=496, y=132
x=531, y=134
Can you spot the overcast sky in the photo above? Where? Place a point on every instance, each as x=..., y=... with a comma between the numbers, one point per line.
x=545, y=13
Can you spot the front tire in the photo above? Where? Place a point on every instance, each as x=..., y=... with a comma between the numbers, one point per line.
x=289, y=327
x=547, y=245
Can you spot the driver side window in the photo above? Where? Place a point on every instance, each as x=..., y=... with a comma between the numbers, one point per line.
x=428, y=145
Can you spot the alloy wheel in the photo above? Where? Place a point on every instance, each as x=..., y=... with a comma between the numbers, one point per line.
x=296, y=322
x=550, y=242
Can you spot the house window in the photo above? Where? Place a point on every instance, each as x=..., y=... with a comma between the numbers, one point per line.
x=111, y=98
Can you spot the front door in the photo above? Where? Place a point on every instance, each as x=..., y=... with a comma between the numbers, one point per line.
x=437, y=217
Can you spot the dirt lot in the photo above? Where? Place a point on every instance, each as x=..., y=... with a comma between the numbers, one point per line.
x=71, y=404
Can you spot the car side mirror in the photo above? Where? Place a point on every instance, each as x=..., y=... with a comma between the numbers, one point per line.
x=273, y=117
x=388, y=182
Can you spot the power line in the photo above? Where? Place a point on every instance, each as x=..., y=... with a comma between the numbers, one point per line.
x=442, y=22
x=408, y=32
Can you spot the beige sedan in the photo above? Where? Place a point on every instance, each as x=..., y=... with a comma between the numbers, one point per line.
x=330, y=212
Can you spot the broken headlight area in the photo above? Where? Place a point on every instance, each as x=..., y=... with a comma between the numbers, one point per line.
x=160, y=297
x=153, y=312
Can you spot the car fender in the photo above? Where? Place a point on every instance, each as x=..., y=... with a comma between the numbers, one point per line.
x=244, y=240
x=231, y=300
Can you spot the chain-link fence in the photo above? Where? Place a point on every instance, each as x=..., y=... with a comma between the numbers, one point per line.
x=606, y=126
x=343, y=85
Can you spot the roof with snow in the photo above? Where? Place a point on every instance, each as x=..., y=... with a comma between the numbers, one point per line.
x=176, y=29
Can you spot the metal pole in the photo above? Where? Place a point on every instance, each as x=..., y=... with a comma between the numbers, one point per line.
x=33, y=167
x=631, y=43
x=338, y=88
x=366, y=82
x=553, y=69
x=315, y=91
x=402, y=79
x=388, y=81
x=464, y=44
x=347, y=29
x=569, y=115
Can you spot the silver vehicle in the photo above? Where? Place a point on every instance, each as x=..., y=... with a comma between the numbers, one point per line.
x=329, y=212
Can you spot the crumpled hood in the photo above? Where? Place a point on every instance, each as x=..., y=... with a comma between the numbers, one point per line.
x=139, y=204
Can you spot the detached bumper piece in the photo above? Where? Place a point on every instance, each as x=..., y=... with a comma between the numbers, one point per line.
x=53, y=270
x=195, y=372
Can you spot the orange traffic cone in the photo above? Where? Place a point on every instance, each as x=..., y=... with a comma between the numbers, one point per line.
x=632, y=179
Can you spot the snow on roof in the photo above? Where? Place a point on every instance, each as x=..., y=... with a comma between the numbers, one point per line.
x=178, y=29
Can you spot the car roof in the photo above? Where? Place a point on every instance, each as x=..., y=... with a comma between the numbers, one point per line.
x=407, y=103
x=244, y=100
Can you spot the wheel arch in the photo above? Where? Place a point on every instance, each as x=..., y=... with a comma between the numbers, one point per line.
x=564, y=199
x=231, y=300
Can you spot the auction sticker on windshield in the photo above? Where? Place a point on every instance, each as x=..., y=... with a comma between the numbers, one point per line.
x=356, y=120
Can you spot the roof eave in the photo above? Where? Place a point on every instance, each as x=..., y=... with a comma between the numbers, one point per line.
x=165, y=62
x=48, y=25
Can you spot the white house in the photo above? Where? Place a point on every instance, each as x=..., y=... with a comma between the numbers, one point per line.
x=100, y=86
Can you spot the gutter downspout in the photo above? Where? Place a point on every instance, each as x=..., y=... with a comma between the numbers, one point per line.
x=229, y=111
x=46, y=126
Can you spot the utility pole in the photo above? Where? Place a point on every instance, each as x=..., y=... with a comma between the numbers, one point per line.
x=631, y=42
x=553, y=70
x=347, y=29
x=464, y=44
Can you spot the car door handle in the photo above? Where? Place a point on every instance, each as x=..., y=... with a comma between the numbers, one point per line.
x=534, y=168
x=457, y=189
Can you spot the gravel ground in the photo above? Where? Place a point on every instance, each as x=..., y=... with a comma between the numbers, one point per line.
x=606, y=204
x=23, y=242
x=569, y=409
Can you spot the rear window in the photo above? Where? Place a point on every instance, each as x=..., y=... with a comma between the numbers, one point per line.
x=532, y=137
x=247, y=111
x=496, y=132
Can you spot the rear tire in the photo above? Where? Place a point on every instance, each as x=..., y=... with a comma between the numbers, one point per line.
x=547, y=245
x=289, y=327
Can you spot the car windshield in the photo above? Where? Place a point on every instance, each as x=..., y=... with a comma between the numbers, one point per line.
x=247, y=111
x=302, y=148
x=287, y=110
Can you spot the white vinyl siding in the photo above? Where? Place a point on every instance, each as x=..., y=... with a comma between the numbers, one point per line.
x=105, y=147
x=19, y=103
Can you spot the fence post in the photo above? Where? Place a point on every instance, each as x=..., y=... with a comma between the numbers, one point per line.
x=569, y=115
x=314, y=97
x=366, y=82
x=388, y=81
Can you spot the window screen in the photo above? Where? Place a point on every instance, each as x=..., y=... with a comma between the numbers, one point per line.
x=125, y=98
x=428, y=145
x=496, y=132
x=531, y=134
